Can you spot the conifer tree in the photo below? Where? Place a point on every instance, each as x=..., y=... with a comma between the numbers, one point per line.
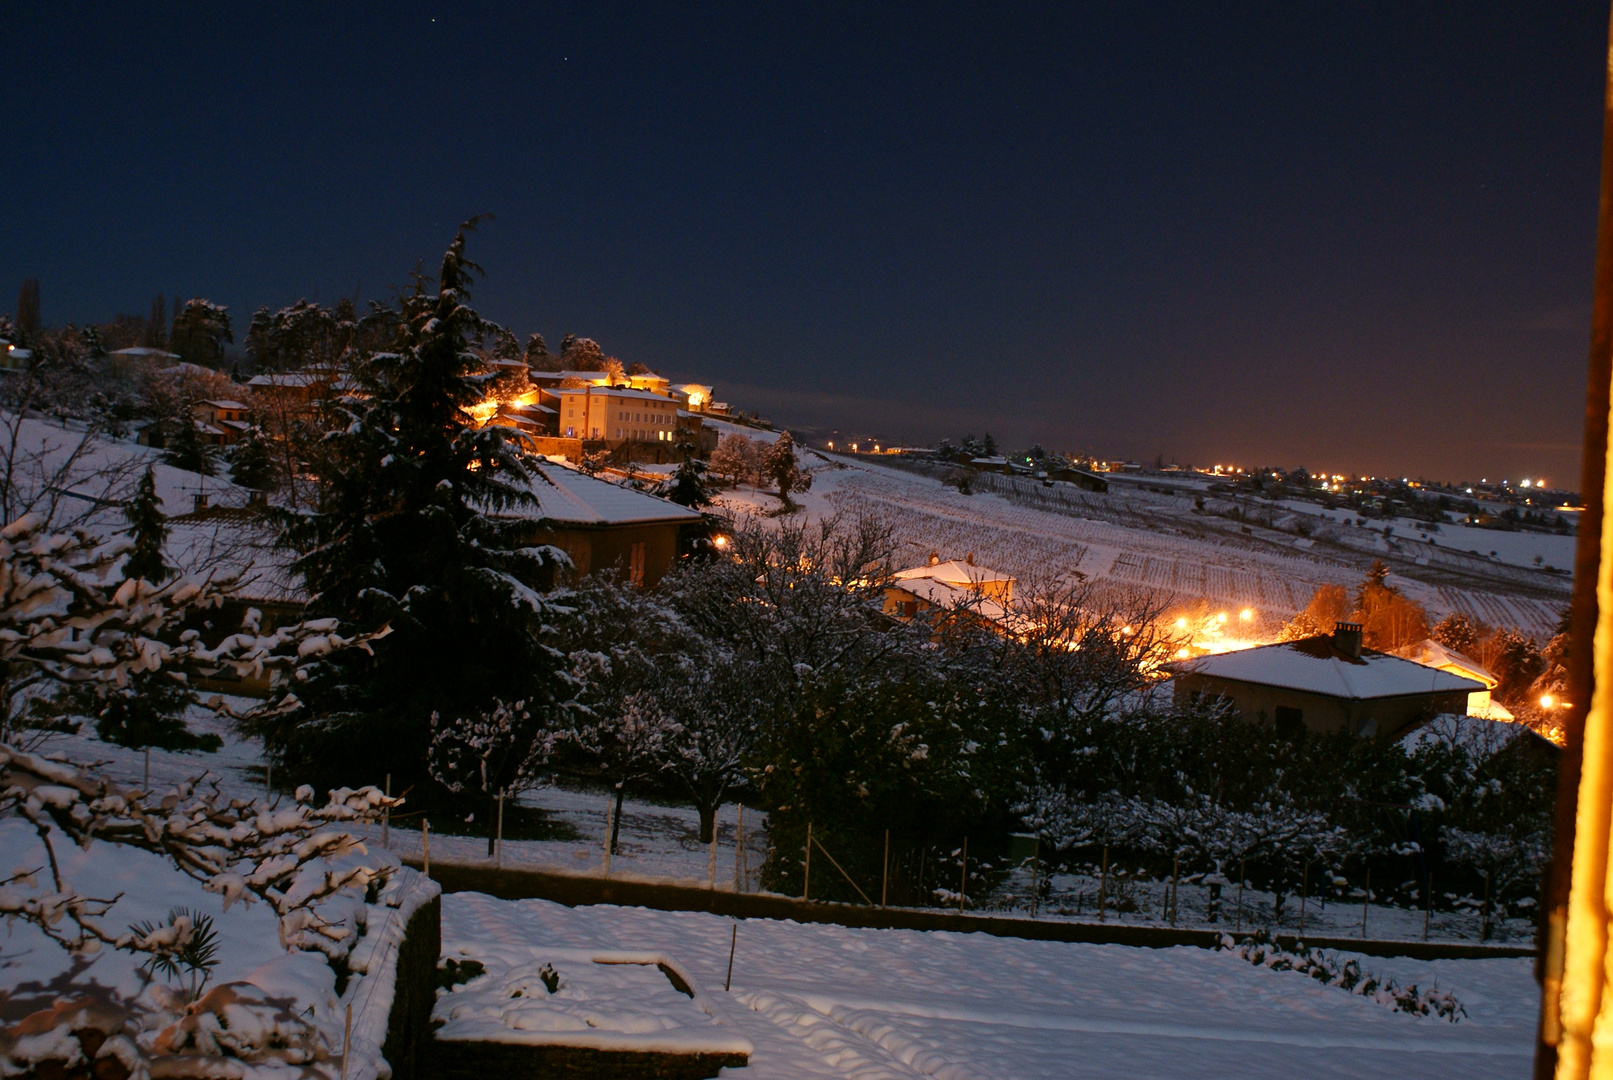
x=410, y=534
x=251, y=463
x=148, y=529
x=149, y=711
x=186, y=450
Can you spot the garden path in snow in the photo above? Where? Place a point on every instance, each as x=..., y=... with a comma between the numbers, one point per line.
x=828, y=1001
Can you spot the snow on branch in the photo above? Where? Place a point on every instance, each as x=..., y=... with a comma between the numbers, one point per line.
x=242, y=849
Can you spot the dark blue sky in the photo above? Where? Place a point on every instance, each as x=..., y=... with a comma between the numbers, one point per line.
x=1348, y=235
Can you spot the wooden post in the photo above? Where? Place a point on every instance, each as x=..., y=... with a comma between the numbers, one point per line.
x=1304, y=892
x=885, y=870
x=1103, y=885
x=1239, y=893
x=806, y=872
x=1176, y=873
x=268, y=776
x=711, y=859
x=498, y=839
x=609, y=809
x=1036, y=872
x=1428, y=908
x=386, y=816
x=1484, y=926
x=963, y=883
x=145, y=783
x=733, y=939
x=347, y=1038
x=425, y=848
x=739, y=849
x=1365, y=900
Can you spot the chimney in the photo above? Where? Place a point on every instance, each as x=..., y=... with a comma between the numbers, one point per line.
x=935, y=558
x=1347, y=639
x=971, y=559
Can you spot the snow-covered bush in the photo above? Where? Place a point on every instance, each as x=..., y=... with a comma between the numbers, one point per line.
x=1347, y=975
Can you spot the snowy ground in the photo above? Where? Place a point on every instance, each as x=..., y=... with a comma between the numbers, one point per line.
x=826, y=1001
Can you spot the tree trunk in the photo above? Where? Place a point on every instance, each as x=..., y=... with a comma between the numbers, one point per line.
x=708, y=821
x=616, y=819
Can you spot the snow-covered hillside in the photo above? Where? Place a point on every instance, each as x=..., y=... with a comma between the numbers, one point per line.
x=1158, y=538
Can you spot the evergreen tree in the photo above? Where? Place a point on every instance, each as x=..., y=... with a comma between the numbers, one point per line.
x=156, y=336
x=186, y=450
x=408, y=534
x=28, y=307
x=148, y=529
x=251, y=463
x=688, y=486
x=200, y=331
x=149, y=710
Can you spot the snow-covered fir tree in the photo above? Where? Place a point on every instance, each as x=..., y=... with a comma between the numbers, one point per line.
x=412, y=532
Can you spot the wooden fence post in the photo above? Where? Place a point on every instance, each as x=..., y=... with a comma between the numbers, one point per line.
x=498, y=838
x=609, y=809
x=739, y=850
x=806, y=872
x=1239, y=927
x=1103, y=886
x=1365, y=900
x=1304, y=893
x=885, y=870
x=1176, y=873
x=386, y=816
x=425, y=848
x=963, y=884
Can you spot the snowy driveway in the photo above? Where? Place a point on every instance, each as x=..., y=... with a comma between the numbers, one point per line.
x=827, y=1001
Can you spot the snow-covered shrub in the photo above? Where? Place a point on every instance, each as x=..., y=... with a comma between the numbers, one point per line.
x=1347, y=975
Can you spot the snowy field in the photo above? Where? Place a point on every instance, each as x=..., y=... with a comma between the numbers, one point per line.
x=826, y=1001
x=1136, y=538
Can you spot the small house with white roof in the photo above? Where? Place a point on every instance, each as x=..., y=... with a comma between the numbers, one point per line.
x=604, y=527
x=1326, y=683
x=950, y=586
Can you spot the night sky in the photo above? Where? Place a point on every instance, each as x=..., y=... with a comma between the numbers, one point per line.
x=1346, y=236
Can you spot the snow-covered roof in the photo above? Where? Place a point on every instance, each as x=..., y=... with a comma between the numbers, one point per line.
x=137, y=352
x=1432, y=654
x=955, y=573
x=566, y=496
x=223, y=404
x=288, y=378
x=1318, y=666
x=948, y=595
x=613, y=391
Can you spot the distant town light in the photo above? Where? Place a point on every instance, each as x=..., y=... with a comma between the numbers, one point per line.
x=1181, y=624
x=1547, y=701
x=1220, y=616
x=721, y=541
x=1246, y=614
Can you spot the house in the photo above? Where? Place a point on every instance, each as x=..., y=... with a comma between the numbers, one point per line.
x=1087, y=481
x=220, y=421
x=1326, y=683
x=650, y=381
x=15, y=357
x=616, y=415
x=293, y=387
x=604, y=527
x=1432, y=654
x=950, y=586
x=694, y=396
